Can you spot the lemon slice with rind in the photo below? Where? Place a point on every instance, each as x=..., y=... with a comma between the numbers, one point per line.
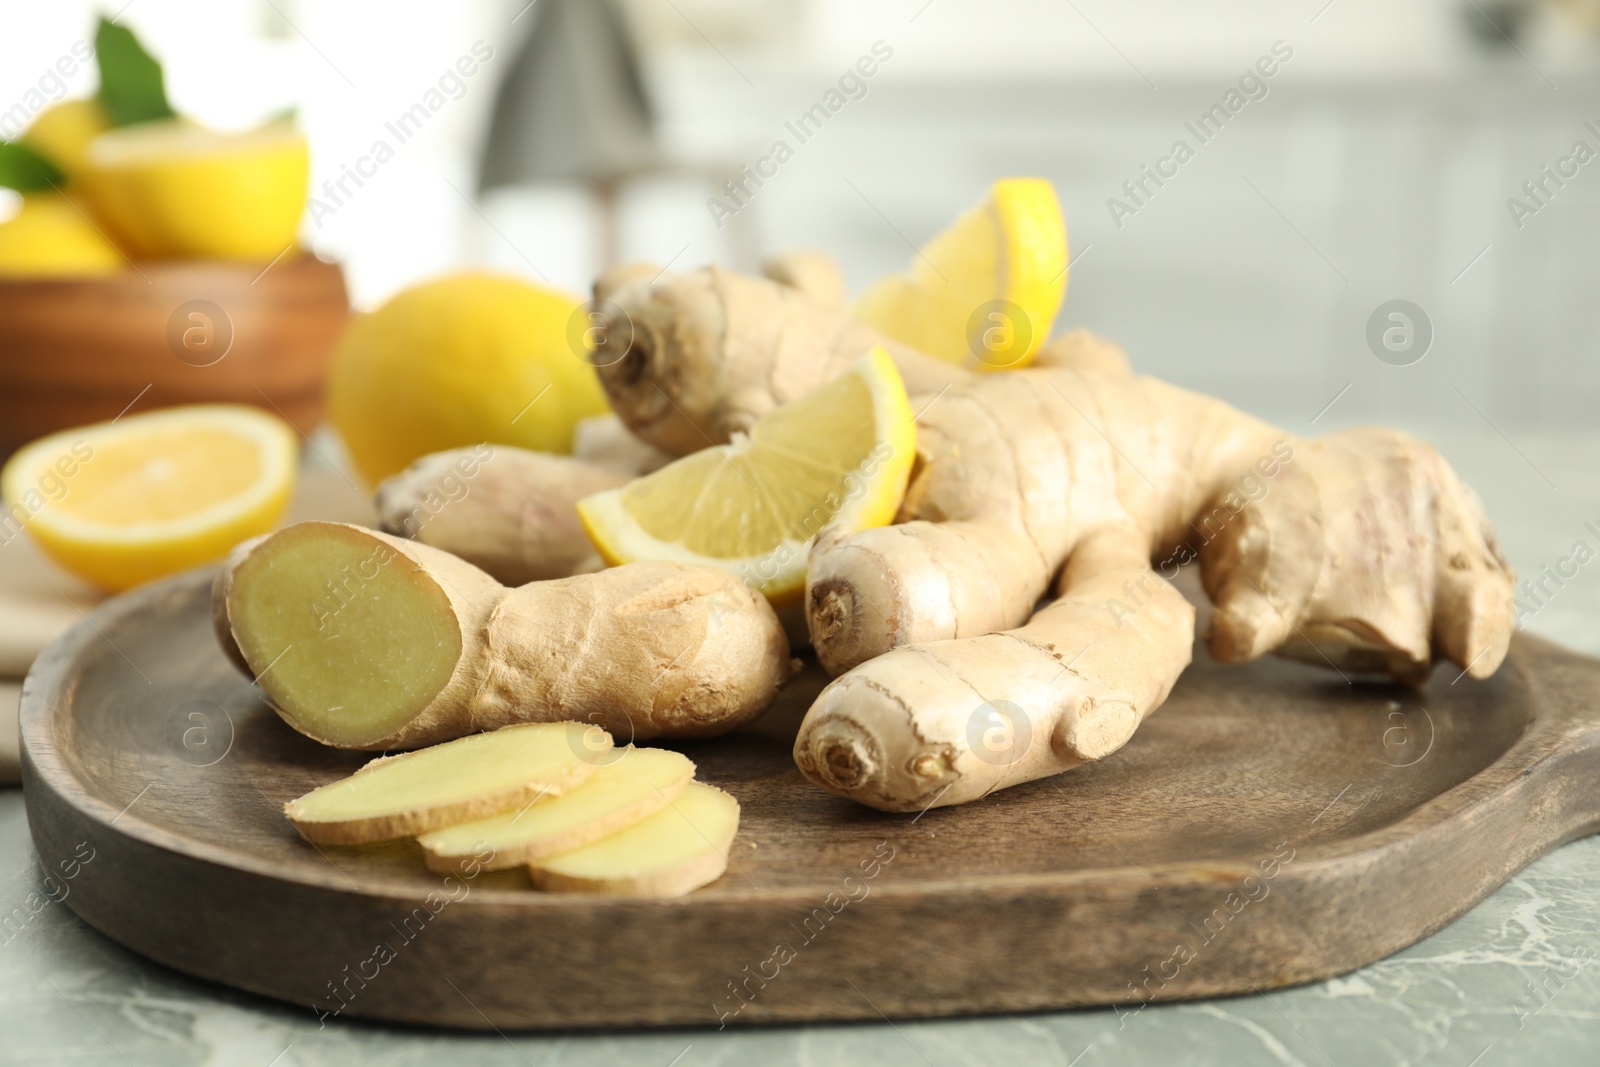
x=985, y=291
x=839, y=457
x=123, y=502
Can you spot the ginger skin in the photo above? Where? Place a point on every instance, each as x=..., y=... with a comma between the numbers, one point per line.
x=706, y=352
x=1361, y=550
x=505, y=510
x=406, y=645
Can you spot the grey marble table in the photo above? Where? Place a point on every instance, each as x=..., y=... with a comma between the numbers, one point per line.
x=1511, y=982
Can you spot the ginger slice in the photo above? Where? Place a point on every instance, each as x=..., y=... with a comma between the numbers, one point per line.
x=680, y=848
x=635, y=785
x=412, y=793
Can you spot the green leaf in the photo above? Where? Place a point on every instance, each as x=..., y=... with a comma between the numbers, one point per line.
x=23, y=169
x=131, y=85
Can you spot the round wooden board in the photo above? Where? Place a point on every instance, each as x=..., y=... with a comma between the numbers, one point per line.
x=1269, y=825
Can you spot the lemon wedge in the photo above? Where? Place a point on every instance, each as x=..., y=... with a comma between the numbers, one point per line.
x=123, y=502
x=985, y=292
x=839, y=457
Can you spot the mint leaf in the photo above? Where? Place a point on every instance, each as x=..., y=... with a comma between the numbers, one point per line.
x=23, y=169
x=131, y=85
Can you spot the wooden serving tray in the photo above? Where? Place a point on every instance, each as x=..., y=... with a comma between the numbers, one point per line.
x=1270, y=825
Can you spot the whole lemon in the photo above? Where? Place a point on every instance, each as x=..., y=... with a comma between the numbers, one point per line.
x=62, y=133
x=463, y=359
x=49, y=237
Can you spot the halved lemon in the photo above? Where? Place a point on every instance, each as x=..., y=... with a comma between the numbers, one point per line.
x=985, y=292
x=122, y=502
x=839, y=457
x=175, y=189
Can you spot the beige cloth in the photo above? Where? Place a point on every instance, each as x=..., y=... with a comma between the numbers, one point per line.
x=39, y=601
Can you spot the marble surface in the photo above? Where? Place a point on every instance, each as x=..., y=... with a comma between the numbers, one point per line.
x=1513, y=981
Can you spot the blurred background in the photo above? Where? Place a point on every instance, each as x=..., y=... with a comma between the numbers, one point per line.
x=1376, y=163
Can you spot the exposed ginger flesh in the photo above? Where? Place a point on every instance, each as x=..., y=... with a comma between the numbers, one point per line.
x=678, y=849
x=356, y=639
x=634, y=785
x=422, y=647
x=449, y=783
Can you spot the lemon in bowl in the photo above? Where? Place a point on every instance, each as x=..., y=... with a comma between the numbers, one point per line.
x=174, y=189
x=49, y=237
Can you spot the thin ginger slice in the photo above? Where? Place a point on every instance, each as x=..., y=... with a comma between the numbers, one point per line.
x=679, y=849
x=460, y=780
x=636, y=784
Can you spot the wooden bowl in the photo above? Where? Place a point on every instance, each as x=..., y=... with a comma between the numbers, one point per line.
x=81, y=350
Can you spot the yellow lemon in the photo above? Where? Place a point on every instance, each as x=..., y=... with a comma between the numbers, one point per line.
x=840, y=457
x=122, y=502
x=456, y=361
x=985, y=292
x=174, y=189
x=62, y=133
x=49, y=237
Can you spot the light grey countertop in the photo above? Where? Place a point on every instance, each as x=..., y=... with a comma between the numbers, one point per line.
x=1461, y=997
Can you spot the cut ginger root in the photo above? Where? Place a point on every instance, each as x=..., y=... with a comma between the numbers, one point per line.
x=675, y=851
x=633, y=785
x=397, y=796
x=362, y=640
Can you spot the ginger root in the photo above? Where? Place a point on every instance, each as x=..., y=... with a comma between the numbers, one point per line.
x=809, y=271
x=362, y=640
x=507, y=511
x=1361, y=551
x=706, y=352
x=513, y=512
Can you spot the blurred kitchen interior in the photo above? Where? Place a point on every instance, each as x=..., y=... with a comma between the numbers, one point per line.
x=1376, y=162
